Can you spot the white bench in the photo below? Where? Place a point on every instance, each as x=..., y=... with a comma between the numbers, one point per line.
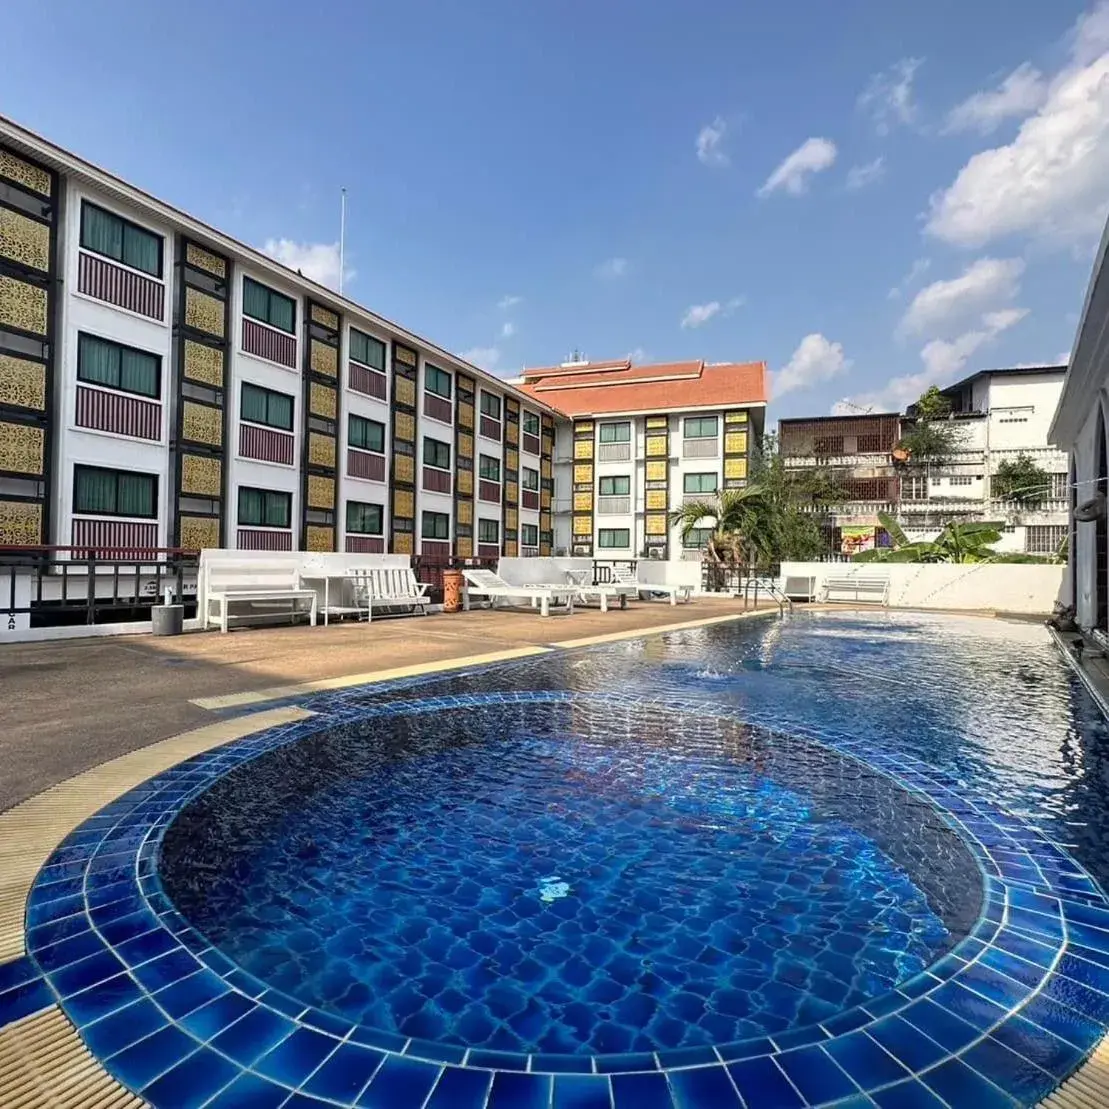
x=487, y=584
x=629, y=580
x=389, y=587
x=258, y=585
x=857, y=587
x=799, y=588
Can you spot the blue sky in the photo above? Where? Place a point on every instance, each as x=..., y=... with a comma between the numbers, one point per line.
x=869, y=196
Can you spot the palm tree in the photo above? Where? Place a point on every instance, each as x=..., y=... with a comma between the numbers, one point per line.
x=743, y=532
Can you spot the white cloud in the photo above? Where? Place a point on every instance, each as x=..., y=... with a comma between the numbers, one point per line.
x=698, y=314
x=507, y=302
x=317, y=261
x=1023, y=91
x=484, y=357
x=943, y=358
x=888, y=97
x=1062, y=359
x=637, y=355
x=858, y=177
x=812, y=156
x=816, y=359
x=1052, y=180
x=894, y=396
x=508, y=329
x=916, y=271
x=611, y=269
x=710, y=138
x=940, y=308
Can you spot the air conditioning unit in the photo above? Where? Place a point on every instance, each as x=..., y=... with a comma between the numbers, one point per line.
x=582, y=551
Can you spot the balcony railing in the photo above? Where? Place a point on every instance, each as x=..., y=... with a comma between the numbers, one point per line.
x=489, y=427
x=119, y=413
x=700, y=448
x=370, y=382
x=265, y=444
x=365, y=544
x=116, y=539
x=489, y=491
x=264, y=539
x=437, y=481
x=530, y=443
x=269, y=343
x=529, y=498
x=614, y=452
x=363, y=464
x=614, y=506
x=438, y=408
x=97, y=277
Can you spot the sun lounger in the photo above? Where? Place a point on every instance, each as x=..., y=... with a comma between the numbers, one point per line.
x=485, y=583
x=628, y=579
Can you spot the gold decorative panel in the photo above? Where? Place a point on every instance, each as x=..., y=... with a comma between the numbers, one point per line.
x=735, y=417
x=402, y=543
x=22, y=306
x=510, y=548
x=735, y=442
x=404, y=503
x=324, y=359
x=511, y=518
x=322, y=400
x=464, y=546
x=511, y=459
x=319, y=538
x=203, y=363
x=656, y=471
x=657, y=421
x=583, y=474
x=464, y=482
x=321, y=492
x=20, y=521
x=656, y=498
x=583, y=502
x=22, y=382
x=202, y=424
x=202, y=259
x=735, y=467
x=321, y=450
x=16, y=169
x=545, y=468
x=512, y=433
x=655, y=525
x=512, y=491
x=583, y=525
x=325, y=316
x=405, y=356
x=201, y=476
x=545, y=499
x=465, y=445
x=203, y=312
x=24, y=240
x=404, y=391
x=584, y=427
x=199, y=532
x=583, y=448
x=465, y=512
x=466, y=415
x=656, y=446
x=21, y=448
x=404, y=468
x=404, y=427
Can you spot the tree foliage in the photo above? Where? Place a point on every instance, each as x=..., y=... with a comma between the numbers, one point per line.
x=1020, y=480
x=970, y=542
x=933, y=438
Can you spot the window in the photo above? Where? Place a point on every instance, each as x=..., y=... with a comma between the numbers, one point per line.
x=529, y=535
x=437, y=454
x=615, y=486
x=488, y=531
x=100, y=362
x=700, y=427
x=1059, y=484
x=107, y=234
x=261, y=303
x=363, y=518
x=914, y=487
x=614, y=537
x=531, y=423
x=436, y=525
x=960, y=479
x=869, y=444
x=489, y=469
x=617, y=433
x=101, y=492
x=696, y=538
x=490, y=405
x=529, y=479
x=699, y=483
x=367, y=350
x=827, y=444
x=437, y=381
x=264, y=406
x=264, y=508
x=366, y=435
x=1044, y=539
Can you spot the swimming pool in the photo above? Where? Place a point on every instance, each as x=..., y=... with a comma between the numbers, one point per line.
x=758, y=863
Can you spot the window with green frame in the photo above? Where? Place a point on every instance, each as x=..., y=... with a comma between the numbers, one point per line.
x=266, y=406
x=435, y=525
x=366, y=349
x=615, y=486
x=696, y=538
x=488, y=531
x=529, y=535
x=260, y=302
x=366, y=435
x=437, y=454
x=700, y=427
x=700, y=483
x=619, y=538
x=616, y=433
x=490, y=405
x=529, y=479
x=100, y=362
x=264, y=508
x=531, y=423
x=98, y=491
x=489, y=468
x=363, y=518
x=437, y=381
x=121, y=240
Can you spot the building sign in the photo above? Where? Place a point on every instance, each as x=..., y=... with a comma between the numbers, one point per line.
x=856, y=539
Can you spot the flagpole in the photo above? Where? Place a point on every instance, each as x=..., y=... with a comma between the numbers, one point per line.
x=342, y=235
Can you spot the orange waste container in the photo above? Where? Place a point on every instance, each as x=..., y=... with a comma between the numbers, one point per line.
x=452, y=590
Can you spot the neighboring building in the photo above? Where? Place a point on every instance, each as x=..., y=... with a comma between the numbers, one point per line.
x=999, y=415
x=640, y=441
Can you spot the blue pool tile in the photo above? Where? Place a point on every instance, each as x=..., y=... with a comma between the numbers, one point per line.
x=581, y=1091
x=190, y=994
x=250, y=1037
x=345, y=1074
x=290, y=1006
x=62, y=954
x=102, y=999
x=1052, y=1054
x=761, y=1082
x=1092, y=915
x=373, y=1037
x=908, y=1095
x=512, y=1090
x=970, y=1007
x=85, y=973
x=1094, y=938
x=497, y=1060
x=166, y=969
x=943, y=1027
x=327, y=1022
x=1088, y=1002
x=906, y=1043
x=143, y=948
x=563, y=1064
x=628, y=1061
x=1063, y=1022
x=128, y=927
x=440, y=1053
x=815, y=1075
x=23, y=1000
x=687, y=1057
x=460, y=1089
x=249, y=1091
x=1036, y=923
x=865, y=1061
x=799, y=1037
x=883, y=1006
x=1004, y=991
x=1029, y=974
x=1041, y=954
x=958, y=1084
x=296, y=1057
x=211, y=1019
x=50, y=911
x=46, y=935
x=640, y=1091
x=846, y=1022
x=138, y=1065
x=400, y=1081
x=703, y=1088
x=123, y=1027
x=1019, y=1078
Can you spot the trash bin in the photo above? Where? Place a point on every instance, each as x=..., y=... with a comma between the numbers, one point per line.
x=452, y=590
x=167, y=619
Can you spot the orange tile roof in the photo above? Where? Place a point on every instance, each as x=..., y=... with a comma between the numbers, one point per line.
x=596, y=388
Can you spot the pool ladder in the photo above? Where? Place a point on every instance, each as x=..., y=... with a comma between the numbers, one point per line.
x=770, y=587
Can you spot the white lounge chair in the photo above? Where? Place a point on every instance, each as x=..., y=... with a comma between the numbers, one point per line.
x=622, y=576
x=256, y=588
x=604, y=593
x=394, y=587
x=487, y=584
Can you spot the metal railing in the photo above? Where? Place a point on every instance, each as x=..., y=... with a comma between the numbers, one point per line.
x=700, y=448
x=614, y=506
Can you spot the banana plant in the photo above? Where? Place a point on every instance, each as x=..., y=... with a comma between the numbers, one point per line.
x=970, y=542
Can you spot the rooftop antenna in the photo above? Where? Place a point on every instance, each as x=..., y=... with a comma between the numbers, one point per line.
x=342, y=235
